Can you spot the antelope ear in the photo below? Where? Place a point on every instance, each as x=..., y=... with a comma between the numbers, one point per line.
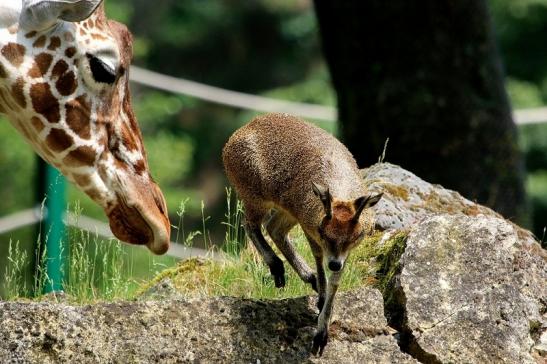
x=365, y=202
x=324, y=195
x=42, y=14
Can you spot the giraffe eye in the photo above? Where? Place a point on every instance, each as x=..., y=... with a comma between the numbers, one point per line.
x=101, y=71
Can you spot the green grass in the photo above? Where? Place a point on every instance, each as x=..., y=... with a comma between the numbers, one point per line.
x=107, y=270
x=246, y=275
x=96, y=270
x=243, y=272
x=15, y=283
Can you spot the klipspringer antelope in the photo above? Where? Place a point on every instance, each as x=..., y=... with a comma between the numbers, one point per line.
x=287, y=172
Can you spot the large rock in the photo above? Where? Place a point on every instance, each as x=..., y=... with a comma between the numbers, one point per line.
x=408, y=200
x=460, y=289
x=221, y=329
x=466, y=286
x=471, y=287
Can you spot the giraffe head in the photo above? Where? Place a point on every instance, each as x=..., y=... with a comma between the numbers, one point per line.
x=64, y=85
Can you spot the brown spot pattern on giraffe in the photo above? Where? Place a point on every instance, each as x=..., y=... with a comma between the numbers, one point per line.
x=128, y=139
x=58, y=140
x=66, y=84
x=3, y=73
x=14, y=53
x=78, y=116
x=18, y=93
x=66, y=81
x=37, y=123
x=81, y=156
x=59, y=69
x=40, y=42
x=70, y=52
x=30, y=34
x=68, y=37
x=44, y=102
x=54, y=43
x=81, y=179
x=94, y=194
x=140, y=167
x=41, y=65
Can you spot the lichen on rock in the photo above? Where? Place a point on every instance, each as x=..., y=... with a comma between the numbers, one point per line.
x=461, y=301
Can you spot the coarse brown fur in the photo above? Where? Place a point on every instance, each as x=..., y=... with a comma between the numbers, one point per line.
x=287, y=172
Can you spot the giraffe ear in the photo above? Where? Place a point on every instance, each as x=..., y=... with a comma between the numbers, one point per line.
x=42, y=14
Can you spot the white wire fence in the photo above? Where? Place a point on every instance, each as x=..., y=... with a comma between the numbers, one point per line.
x=224, y=97
x=265, y=104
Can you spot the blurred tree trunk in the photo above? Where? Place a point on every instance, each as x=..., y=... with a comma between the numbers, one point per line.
x=428, y=76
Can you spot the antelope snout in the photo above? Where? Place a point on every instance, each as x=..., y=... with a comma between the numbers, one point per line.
x=335, y=265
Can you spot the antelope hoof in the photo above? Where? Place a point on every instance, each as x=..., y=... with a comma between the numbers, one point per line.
x=319, y=342
x=278, y=272
x=279, y=281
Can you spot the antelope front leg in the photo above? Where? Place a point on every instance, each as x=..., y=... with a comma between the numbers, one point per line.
x=322, y=334
x=321, y=279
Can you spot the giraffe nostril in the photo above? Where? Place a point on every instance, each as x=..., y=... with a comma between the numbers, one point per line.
x=160, y=206
x=159, y=200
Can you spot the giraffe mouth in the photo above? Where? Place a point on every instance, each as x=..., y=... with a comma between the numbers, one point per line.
x=130, y=224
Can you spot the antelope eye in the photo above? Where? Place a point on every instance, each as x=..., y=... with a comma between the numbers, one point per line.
x=101, y=71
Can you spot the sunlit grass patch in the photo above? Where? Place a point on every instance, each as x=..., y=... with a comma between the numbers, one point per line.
x=246, y=275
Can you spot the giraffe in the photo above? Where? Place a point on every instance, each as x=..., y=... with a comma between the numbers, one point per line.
x=64, y=86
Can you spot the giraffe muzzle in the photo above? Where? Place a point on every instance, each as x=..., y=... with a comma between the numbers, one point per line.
x=142, y=223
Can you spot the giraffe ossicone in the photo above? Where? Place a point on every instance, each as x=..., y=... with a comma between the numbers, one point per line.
x=64, y=86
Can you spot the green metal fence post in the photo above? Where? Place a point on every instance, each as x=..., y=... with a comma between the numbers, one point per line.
x=52, y=184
